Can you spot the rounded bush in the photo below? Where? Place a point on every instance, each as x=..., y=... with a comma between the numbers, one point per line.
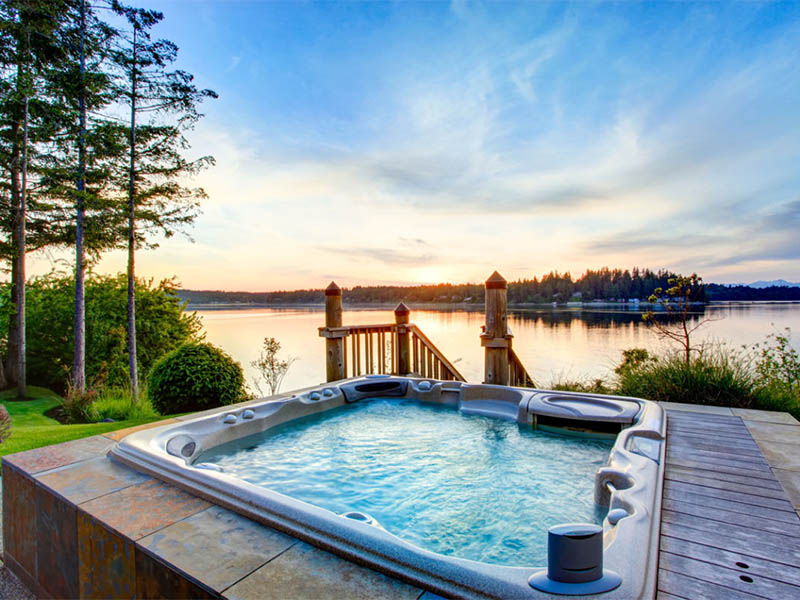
x=195, y=377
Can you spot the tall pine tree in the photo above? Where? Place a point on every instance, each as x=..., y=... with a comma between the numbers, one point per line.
x=29, y=47
x=78, y=173
x=162, y=106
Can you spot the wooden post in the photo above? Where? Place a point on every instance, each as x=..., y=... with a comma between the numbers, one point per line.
x=495, y=337
x=401, y=318
x=334, y=346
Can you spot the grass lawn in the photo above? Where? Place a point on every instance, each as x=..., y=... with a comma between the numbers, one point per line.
x=31, y=429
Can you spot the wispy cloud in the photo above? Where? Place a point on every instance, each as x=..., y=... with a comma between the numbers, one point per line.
x=386, y=256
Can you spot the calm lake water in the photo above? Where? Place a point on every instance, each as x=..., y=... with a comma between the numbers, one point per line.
x=554, y=344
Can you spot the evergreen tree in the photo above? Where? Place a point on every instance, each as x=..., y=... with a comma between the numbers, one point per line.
x=162, y=106
x=29, y=46
x=77, y=174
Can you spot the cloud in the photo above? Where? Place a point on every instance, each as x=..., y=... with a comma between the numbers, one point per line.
x=785, y=217
x=386, y=256
x=720, y=238
x=413, y=241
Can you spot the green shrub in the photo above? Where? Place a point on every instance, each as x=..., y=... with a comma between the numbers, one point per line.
x=765, y=377
x=587, y=386
x=117, y=404
x=79, y=407
x=778, y=363
x=777, y=369
x=633, y=358
x=775, y=397
x=195, y=377
x=719, y=376
x=161, y=326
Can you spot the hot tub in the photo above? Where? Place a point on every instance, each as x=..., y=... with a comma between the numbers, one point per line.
x=450, y=486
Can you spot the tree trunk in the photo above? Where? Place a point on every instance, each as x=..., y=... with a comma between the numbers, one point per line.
x=132, y=363
x=12, y=356
x=79, y=360
x=3, y=382
x=132, y=366
x=132, y=356
x=23, y=199
x=13, y=350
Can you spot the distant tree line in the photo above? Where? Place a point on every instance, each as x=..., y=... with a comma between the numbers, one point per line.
x=93, y=119
x=602, y=285
x=716, y=291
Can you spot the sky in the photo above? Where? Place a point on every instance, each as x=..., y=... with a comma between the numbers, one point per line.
x=382, y=143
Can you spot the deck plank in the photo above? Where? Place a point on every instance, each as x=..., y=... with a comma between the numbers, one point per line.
x=711, y=446
x=737, y=507
x=727, y=431
x=722, y=466
x=722, y=436
x=705, y=424
x=745, y=479
x=744, y=498
x=755, y=487
x=713, y=453
x=696, y=589
x=695, y=416
x=727, y=445
x=729, y=559
x=776, y=554
x=714, y=421
x=755, y=522
x=778, y=547
x=728, y=529
x=742, y=580
x=668, y=596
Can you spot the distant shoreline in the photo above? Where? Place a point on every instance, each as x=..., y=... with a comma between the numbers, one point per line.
x=604, y=288
x=465, y=306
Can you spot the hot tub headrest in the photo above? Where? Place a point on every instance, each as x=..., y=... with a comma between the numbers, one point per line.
x=384, y=387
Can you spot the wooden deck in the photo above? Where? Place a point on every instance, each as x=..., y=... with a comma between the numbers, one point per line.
x=728, y=528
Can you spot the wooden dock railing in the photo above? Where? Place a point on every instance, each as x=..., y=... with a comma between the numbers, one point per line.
x=502, y=365
x=398, y=348
x=401, y=348
x=518, y=375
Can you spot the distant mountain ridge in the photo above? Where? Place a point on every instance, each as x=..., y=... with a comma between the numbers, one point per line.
x=773, y=283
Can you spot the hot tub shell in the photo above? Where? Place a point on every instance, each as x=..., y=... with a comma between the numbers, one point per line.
x=630, y=484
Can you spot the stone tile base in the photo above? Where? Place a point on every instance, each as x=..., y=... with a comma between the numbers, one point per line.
x=77, y=525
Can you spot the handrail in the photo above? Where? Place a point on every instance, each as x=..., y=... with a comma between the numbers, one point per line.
x=371, y=351
x=349, y=329
x=518, y=374
x=406, y=350
x=424, y=339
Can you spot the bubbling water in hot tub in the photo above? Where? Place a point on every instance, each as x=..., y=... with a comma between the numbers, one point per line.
x=461, y=485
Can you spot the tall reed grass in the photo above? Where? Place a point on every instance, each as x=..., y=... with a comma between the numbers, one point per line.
x=720, y=375
x=117, y=404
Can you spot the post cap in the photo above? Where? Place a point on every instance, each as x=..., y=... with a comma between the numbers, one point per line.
x=333, y=290
x=402, y=309
x=496, y=282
